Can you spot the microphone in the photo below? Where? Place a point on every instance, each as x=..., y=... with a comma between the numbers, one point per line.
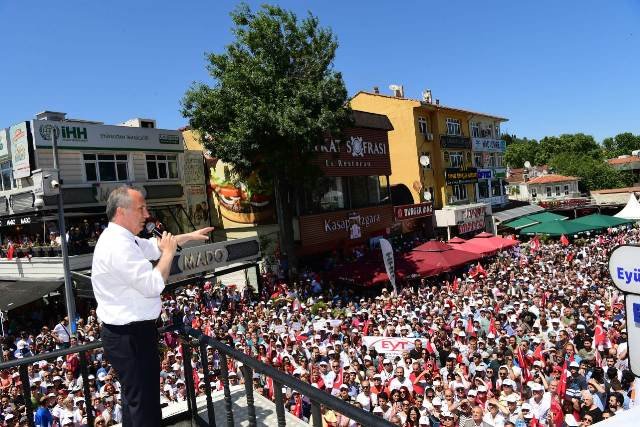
x=152, y=229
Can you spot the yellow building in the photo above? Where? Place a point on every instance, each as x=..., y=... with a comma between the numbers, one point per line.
x=431, y=148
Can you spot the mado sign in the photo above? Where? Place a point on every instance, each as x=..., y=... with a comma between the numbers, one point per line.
x=624, y=267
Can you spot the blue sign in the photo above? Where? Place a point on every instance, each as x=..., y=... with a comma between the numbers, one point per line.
x=636, y=313
x=484, y=173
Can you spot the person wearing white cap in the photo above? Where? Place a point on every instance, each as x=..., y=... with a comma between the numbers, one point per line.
x=540, y=401
x=493, y=416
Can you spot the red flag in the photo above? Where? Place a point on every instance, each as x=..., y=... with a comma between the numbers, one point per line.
x=337, y=382
x=365, y=328
x=564, y=240
x=456, y=284
x=297, y=408
x=10, y=252
x=480, y=270
x=538, y=353
x=562, y=385
x=522, y=361
x=492, y=327
x=469, y=329
x=270, y=387
x=599, y=337
x=556, y=411
x=534, y=244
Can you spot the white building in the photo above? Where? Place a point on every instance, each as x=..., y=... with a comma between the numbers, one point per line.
x=545, y=188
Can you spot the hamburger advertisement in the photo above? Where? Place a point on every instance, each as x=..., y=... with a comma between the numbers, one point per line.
x=247, y=201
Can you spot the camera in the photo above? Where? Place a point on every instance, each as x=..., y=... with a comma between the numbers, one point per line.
x=55, y=183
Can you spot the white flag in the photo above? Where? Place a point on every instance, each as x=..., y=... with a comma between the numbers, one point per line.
x=389, y=264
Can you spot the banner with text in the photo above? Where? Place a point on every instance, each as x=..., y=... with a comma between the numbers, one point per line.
x=391, y=346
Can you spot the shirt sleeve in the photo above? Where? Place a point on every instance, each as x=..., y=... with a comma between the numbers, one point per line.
x=149, y=248
x=136, y=271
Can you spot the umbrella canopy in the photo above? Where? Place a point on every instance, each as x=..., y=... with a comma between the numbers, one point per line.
x=484, y=235
x=439, y=262
x=557, y=228
x=433, y=246
x=533, y=219
x=602, y=221
x=456, y=240
x=481, y=247
x=631, y=210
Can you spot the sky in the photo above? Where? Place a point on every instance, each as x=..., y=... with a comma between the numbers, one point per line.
x=549, y=66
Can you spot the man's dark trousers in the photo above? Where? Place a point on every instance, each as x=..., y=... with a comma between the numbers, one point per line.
x=133, y=351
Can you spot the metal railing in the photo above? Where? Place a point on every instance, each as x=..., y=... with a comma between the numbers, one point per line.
x=189, y=336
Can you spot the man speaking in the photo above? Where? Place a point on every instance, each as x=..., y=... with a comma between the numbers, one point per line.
x=127, y=288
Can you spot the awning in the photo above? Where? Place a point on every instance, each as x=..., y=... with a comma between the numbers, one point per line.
x=603, y=221
x=533, y=219
x=557, y=228
x=20, y=292
x=509, y=214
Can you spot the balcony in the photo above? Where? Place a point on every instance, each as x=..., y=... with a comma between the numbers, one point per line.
x=455, y=141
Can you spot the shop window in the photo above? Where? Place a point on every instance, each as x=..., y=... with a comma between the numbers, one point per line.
x=483, y=189
x=364, y=191
x=106, y=167
x=456, y=159
x=162, y=166
x=566, y=190
x=327, y=195
x=453, y=126
x=422, y=125
x=8, y=182
x=459, y=192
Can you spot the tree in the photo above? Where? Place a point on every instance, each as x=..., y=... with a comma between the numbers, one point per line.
x=623, y=143
x=519, y=151
x=578, y=144
x=275, y=94
x=594, y=174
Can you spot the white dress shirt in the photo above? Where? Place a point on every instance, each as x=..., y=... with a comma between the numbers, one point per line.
x=126, y=286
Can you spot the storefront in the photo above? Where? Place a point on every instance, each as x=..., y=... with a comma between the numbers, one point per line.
x=465, y=220
x=350, y=203
x=415, y=218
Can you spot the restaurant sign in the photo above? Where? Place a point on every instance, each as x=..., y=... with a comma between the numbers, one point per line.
x=455, y=176
x=563, y=203
x=12, y=222
x=417, y=210
x=466, y=227
x=488, y=144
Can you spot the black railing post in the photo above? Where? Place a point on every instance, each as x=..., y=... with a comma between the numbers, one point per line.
x=188, y=377
x=26, y=392
x=204, y=357
x=247, y=373
x=277, y=393
x=224, y=370
x=316, y=414
x=88, y=401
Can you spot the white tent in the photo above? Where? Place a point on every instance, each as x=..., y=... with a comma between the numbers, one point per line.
x=632, y=210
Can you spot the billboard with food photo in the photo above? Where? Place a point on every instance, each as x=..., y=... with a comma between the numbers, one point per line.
x=240, y=201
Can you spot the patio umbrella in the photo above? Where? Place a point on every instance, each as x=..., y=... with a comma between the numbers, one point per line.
x=430, y=258
x=602, y=221
x=433, y=246
x=498, y=243
x=557, y=228
x=456, y=240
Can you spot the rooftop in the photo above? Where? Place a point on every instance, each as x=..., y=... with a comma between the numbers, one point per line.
x=617, y=190
x=623, y=160
x=547, y=179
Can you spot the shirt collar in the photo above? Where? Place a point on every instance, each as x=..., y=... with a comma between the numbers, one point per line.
x=120, y=230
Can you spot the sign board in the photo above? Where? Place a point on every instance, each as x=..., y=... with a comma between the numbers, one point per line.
x=484, y=174
x=391, y=346
x=19, y=138
x=4, y=143
x=624, y=267
x=455, y=176
x=488, y=144
x=206, y=258
x=94, y=136
x=417, y=210
x=455, y=141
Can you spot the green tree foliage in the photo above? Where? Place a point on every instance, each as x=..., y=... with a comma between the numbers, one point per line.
x=274, y=95
x=519, y=151
x=623, y=143
x=578, y=144
x=595, y=174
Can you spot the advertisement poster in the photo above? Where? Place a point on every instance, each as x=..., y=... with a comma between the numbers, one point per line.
x=4, y=143
x=19, y=137
x=197, y=207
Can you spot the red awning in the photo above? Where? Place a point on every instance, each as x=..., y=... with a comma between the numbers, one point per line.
x=433, y=246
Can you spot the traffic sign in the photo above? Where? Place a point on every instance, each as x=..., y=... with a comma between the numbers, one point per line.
x=624, y=267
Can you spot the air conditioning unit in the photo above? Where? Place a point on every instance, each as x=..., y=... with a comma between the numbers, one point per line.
x=452, y=199
x=635, y=153
x=428, y=136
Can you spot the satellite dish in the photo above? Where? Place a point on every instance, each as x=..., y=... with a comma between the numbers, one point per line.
x=425, y=160
x=527, y=164
x=427, y=196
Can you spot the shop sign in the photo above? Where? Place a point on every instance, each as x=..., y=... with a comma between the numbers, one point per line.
x=484, y=173
x=93, y=136
x=365, y=153
x=455, y=141
x=417, y=210
x=4, y=143
x=470, y=213
x=474, y=225
x=19, y=137
x=12, y=222
x=454, y=176
x=500, y=173
x=488, y=144
x=563, y=203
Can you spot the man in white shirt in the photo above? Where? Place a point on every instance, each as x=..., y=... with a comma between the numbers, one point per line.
x=127, y=288
x=400, y=380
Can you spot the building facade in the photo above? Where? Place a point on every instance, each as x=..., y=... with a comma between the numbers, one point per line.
x=448, y=156
x=546, y=190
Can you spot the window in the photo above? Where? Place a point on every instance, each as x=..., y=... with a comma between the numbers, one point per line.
x=428, y=156
x=453, y=126
x=557, y=190
x=106, y=167
x=459, y=192
x=475, y=129
x=492, y=160
x=483, y=189
x=8, y=182
x=486, y=131
x=162, y=166
x=327, y=195
x=456, y=159
x=496, y=188
x=534, y=193
x=548, y=191
x=422, y=125
x=499, y=159
x=364, y=191
x=477, y=160
x=566, y=190
x=496, y=129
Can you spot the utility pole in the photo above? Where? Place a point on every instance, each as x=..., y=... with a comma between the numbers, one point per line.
x=68, y=286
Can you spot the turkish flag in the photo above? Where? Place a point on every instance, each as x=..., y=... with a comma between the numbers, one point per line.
x=538, y=353
x=562, y=386
x=492, y=327
x=10, y=252
x=564, y=240
x=599, y=337
x=470, y=330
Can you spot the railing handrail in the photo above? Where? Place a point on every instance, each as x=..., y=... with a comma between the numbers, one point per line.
x=359, y=415
x=29, y=360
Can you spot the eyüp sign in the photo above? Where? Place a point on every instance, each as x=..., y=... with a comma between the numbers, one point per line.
x=624, y=267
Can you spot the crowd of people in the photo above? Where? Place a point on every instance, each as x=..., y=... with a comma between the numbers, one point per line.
x=534, y=337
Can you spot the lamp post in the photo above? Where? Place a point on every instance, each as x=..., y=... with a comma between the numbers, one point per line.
x=68, y=289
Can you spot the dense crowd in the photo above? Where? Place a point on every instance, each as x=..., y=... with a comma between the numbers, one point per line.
x=535, y=337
